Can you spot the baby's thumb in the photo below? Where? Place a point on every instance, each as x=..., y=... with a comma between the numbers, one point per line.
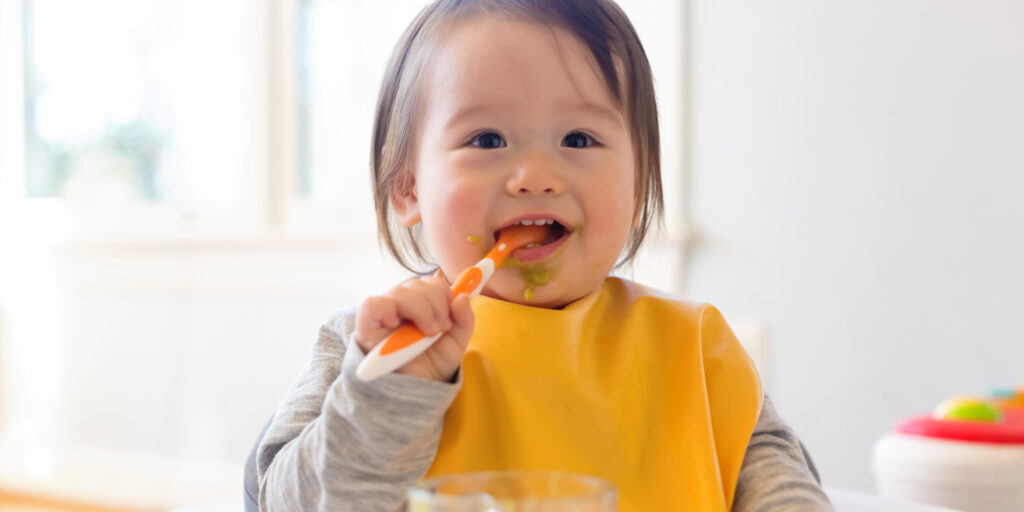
x=462, y=320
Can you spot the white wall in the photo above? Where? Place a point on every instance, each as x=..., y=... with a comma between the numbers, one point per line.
x=859, y=182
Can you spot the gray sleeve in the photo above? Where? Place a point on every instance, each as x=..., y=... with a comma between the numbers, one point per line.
x=337, y=443
x=777, y=472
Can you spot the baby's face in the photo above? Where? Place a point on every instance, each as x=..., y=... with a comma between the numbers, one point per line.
x=517, y=124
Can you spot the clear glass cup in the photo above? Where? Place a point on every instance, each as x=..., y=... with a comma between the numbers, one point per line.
x=513, y=491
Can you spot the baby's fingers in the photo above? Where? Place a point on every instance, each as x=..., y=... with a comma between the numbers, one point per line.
x=440, y=295
x=425, y=304
x=445, y=356
x=377, y=317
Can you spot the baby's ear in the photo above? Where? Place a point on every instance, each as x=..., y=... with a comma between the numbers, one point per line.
x=404, y=200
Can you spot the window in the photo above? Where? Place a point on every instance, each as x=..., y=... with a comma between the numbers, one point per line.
x=140, y=106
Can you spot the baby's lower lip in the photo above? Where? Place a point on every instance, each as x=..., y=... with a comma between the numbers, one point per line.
x=539, y=253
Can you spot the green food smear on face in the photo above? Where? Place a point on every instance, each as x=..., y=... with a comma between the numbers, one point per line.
x=473, y=239
x=535, y=275
x=532, y=273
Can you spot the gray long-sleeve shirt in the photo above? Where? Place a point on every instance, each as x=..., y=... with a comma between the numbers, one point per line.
x=337, y=443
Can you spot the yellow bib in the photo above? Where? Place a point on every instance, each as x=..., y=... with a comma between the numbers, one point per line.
x=652, y=393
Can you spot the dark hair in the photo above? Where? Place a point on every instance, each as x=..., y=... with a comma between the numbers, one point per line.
x=602, y=27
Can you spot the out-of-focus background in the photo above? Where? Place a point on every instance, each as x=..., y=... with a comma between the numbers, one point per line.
x=184, y=198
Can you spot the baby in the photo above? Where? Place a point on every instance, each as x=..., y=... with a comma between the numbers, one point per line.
x=502, y=112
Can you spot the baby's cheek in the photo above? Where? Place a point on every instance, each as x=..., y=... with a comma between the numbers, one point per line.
x=461, y=224
x=465, y=205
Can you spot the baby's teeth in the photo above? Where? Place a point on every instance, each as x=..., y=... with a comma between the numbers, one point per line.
x=538, y=222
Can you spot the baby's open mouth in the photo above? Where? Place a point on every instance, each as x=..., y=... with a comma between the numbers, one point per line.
x=557, y=233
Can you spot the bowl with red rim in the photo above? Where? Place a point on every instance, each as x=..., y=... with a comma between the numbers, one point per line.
x=967, y=455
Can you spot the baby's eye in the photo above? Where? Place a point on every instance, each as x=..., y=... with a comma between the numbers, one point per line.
x=578, y=140
x=488, y=140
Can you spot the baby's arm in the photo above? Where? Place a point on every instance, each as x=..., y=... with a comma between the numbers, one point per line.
x=337, y=443
x=777, y=473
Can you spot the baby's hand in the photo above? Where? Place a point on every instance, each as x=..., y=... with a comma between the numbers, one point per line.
x=427, y=303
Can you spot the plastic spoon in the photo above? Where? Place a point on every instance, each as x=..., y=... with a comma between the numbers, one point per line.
x=407, y=341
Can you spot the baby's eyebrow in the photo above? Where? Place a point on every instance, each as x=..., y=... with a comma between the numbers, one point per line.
x=596, y=109
x=466, y=112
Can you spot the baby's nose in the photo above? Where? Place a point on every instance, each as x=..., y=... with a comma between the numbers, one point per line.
x=535, y=175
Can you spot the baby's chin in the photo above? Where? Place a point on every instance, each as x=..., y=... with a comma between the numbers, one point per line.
x=545, y=296
x=519, y=299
